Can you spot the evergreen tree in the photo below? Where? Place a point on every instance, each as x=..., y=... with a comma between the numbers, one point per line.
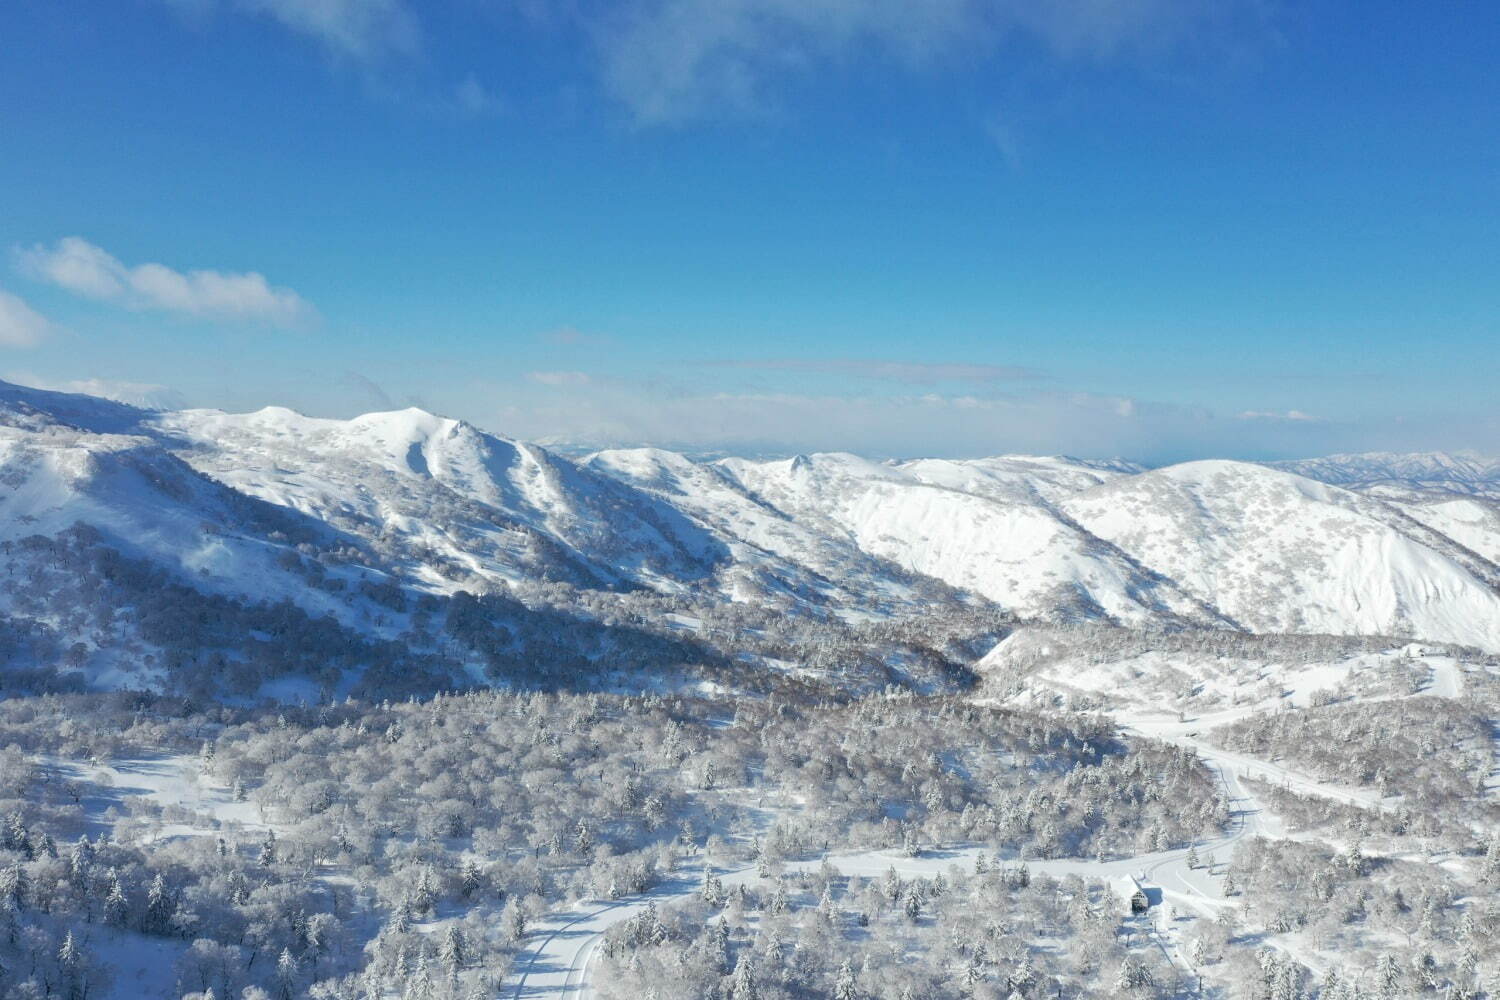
x=268, y=850
x=513, y=922
x=1388, y=976
x=160, y=906
x=826, y=910
x=115, y=905
x=72, y=964
x=1490, y=872
x=286, y=975
x=779, y=901
x=68, y=956
x=718, y=947
x=470, y=879
x=1132, y=975
x=453, y=953
x=419, y=984
x=743, y=987
x=843, y=986
x=15, y=886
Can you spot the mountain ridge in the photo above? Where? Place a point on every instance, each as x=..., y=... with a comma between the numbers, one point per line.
x=367, y=521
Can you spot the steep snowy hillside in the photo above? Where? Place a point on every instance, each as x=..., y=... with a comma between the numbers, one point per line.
x=149, y=503
x=272, y=562
x=1277, y=552
x=116, y=550
x=1006, y=540
x=1472, y=522
x=766, y=542
x=452, y=506
x=25, y=408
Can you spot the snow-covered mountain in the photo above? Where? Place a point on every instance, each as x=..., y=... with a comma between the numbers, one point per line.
x=380, y=528
x=1463, y=472
x=1276, y=552
x=154, y=546
x=990, y=526
x=450, y=504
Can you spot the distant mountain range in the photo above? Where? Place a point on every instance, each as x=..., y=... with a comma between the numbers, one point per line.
x=1426, y=471
x=365, y=532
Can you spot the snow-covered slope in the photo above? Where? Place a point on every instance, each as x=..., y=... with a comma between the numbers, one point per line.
x=1017, y=478
x=1473, y=522
x=768, y=545
x=148, y=503
x=201, y=545
x=1003, y=537
x=1196, y=672
x=1276, y=552
x=452, y=505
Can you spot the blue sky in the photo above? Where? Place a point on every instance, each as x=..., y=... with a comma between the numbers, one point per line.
x=1155, y=228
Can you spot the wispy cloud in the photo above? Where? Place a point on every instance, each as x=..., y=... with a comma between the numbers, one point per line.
x=910, y=372
x=1292, y=416
x=144, y=394
x=559, y=378
x=569, y=336
x=79, y=266
x=475, y=98
x=362, y=28
x=358, y=29
x=20, y=325
x=672, y=60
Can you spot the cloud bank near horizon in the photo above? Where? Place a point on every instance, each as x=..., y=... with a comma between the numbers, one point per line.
x=581, y=412
x=597, y=413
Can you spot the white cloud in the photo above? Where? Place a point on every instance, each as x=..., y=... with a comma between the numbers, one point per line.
x=1291, y=416
x=78, y=266
x=20, y=325
x=608, y=412
x=912, y=372
x=602, y=413
x=143, y=394
x=670, y=60
x=361, y=28
x=476, y=99
x=568, y=336
x=81, y=267
x=559, y=378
